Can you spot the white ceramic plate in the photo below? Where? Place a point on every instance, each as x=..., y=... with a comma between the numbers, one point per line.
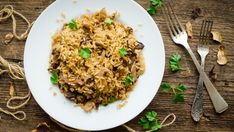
x=38, y=49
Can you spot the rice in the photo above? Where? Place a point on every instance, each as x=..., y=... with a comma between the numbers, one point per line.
x=99, y=79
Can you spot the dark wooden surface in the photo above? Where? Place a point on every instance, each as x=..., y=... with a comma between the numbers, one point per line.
x=222, y=12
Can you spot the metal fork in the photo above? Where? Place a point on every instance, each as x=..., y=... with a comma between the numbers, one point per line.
x=203, y=50
x=180, y=37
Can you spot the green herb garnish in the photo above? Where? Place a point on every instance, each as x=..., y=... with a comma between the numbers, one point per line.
x=85, y=53
x=72, y=25
x=157, y=2
x=165, y=87
x=150, y=121
x=151, y=10
x=108, y=21
x=155, y=5
x=179, y=97
x=112, y=99
x=178, y=91
x=128, y=80
x=174, y=62
x=123, y=52
x=54, y=77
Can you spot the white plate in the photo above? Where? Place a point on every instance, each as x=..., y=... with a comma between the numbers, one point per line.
x=38, y=49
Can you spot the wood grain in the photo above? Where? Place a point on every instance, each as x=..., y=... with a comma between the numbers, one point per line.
x=222, y=13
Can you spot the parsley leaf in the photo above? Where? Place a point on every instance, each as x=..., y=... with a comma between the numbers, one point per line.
x=155, y=126
x=157, y=2
x=108, y=21
x=143, y=122
x=54, y=77
x=174, y=62
x=178, y=91
x=181, y=88
x=72, y=24
x=165, y=87
x=85, y=53
x=123, y=52
x=151, y=10
x=179, y=97
x=151, y=115
x=155, y=5
x=150, y=121
x=128, y=80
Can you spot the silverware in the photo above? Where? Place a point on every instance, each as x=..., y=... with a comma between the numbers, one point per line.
x=203, y=50
x=180, y=37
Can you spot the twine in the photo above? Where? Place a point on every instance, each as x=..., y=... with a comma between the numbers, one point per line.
x=14, y=114
x=15, y=72
x=7, y=12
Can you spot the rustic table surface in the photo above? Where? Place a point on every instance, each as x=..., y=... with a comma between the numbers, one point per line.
x=222, y=12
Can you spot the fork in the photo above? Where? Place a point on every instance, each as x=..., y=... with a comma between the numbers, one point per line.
x=203, y=50
x=180, y=37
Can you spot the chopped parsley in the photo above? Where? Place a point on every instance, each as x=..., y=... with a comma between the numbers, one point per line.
x=155, y=5
x=72, y=25
x=128, y=79
x=123, y=52
x=175, y=62
x=178, y=91
x=54, y=77
x=85, y=53
x=150, y=121
x=108, y=21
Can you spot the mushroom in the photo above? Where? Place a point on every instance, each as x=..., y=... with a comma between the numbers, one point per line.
x=139, y=45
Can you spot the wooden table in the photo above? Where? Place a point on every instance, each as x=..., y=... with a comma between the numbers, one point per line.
x=221, y=11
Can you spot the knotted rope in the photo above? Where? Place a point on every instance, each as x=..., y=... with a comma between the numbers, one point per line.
x=12, y=69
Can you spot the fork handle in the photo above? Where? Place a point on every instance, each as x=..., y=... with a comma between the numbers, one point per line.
x=197, y=107
x=219, y=103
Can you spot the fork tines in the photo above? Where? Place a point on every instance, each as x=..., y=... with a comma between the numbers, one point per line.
x=172, y=21
x=205, y=31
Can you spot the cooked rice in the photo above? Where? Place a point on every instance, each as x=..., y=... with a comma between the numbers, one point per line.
x=94, y=81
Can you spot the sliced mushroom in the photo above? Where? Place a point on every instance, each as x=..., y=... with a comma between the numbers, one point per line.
x=139, y=45
x=129, y=30
x=133, y=71
x=221, y=56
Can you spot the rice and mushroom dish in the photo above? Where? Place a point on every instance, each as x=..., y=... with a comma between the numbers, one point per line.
x=95, y=60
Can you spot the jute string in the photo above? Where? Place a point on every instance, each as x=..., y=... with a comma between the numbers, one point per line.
x=12, y=69
x=7, y=12
x=17, y=73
